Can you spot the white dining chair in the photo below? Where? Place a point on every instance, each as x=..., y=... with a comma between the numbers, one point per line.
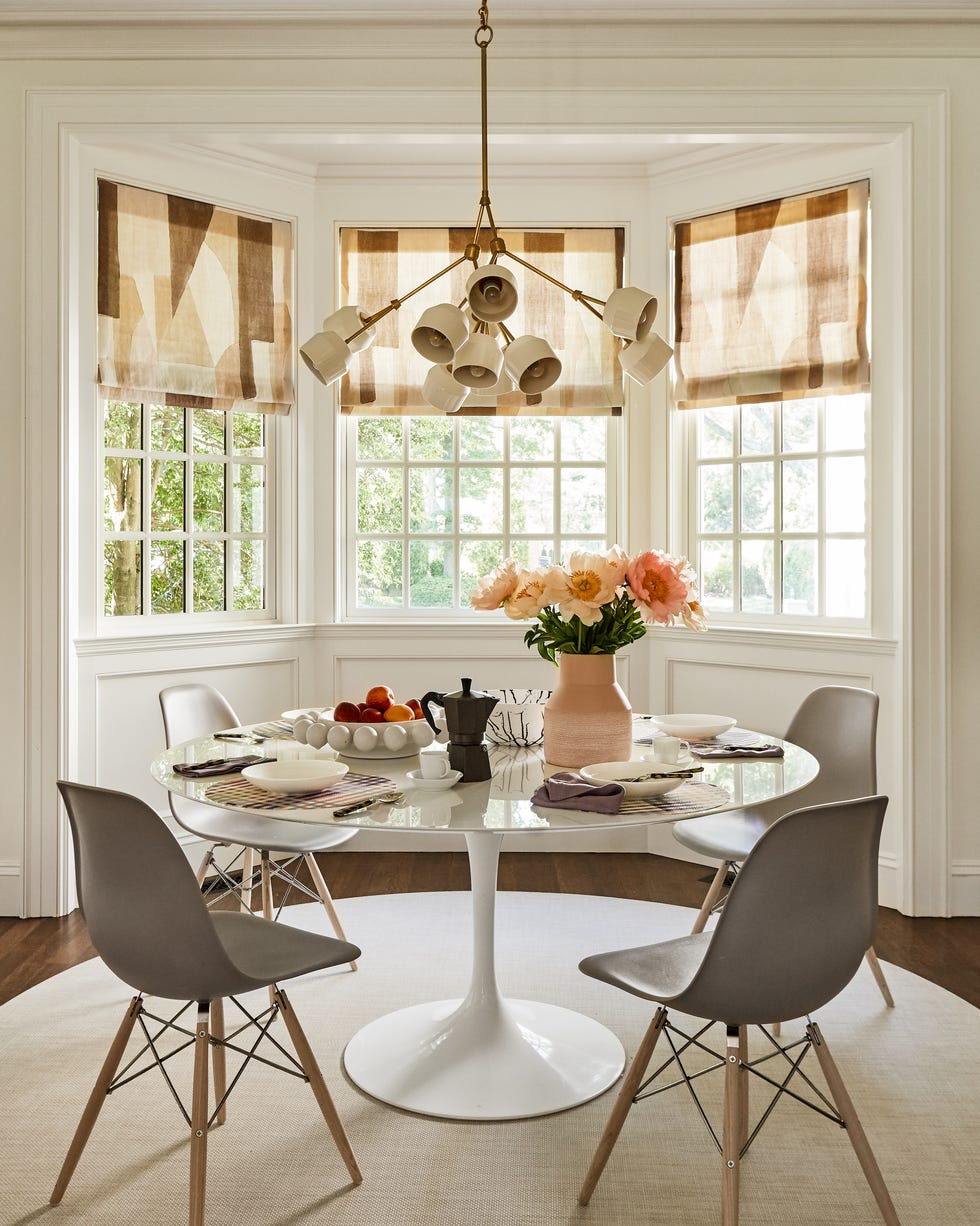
x=191, y=712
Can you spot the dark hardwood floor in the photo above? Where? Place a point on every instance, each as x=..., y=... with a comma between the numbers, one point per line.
x=947, y=951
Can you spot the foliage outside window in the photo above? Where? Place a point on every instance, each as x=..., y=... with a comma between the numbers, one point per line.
x=438, y=502
x=781, y=520
x=185, y=510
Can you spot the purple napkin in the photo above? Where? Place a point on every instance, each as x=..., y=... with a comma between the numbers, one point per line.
x=216, y=766
x=568, y=790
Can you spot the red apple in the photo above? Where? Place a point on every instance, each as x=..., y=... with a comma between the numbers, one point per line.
x=371, y=716
x=416, y=706
x=380, y=697
x=347, y=712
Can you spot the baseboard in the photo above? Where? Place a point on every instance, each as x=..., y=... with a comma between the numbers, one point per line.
x=11, y=888
x=964, y=887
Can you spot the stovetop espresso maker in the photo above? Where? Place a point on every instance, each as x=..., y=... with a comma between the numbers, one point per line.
x=467, y=712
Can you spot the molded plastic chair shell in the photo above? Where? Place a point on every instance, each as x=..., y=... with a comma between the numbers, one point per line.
x=838, y=725
x=153, y=929
x=793, y=932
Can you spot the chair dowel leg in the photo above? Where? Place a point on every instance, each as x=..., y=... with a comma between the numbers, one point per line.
x=624, y=1100
x=317, y=1084
x=266, y=877
x=321, y=888
x=96, y=1099
x=743, y=1100
x=872, y=960
x=248, y=868
x=732, y=1125
x=218, y=1063
x=202, y=870
x=855, y=1132
x=199, y=1117
x=712, y=896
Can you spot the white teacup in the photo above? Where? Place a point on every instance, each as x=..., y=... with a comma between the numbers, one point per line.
x=670, y=749
x=434, y=764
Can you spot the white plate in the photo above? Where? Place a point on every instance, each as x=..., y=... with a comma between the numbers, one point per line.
x=434, y=785
x=626, y=772
x=292, y=716
x=295, y=777
x=693, y=727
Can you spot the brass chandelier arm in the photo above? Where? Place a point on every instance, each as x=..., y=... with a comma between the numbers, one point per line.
x=371, y=320
x=585, y=299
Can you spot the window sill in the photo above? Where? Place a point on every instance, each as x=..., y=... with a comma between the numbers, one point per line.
x=799, y=640
x=212, y=635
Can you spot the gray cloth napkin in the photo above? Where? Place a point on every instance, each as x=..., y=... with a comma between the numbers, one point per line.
x=568, y=790
x=217, y=766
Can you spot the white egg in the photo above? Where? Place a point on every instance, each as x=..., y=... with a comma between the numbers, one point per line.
x=394, y=736
x=338, y=737
x=301, y=727
x=365, y=738
x=317, y=735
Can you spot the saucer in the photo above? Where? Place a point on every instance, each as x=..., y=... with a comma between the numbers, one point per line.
x=418, y=780
x=682, y=764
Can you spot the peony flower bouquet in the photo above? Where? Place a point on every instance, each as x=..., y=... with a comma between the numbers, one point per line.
x=597, y=603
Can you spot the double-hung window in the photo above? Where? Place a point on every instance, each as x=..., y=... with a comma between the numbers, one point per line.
x=436, y=501
x=772, y=354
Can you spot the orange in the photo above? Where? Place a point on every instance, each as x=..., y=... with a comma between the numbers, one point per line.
x=398, y=713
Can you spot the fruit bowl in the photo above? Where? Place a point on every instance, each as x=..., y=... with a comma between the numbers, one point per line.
x=359, y=740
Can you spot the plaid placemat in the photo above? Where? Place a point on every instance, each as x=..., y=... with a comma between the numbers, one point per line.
x=245, y=795
x=688, y=798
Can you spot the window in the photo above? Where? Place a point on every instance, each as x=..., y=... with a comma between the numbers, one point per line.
x=186, y=498
x=437, y=502
x=780, y=508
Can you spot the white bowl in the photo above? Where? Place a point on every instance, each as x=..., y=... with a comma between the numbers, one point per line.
x=434, y=785
x=693, y=727
x=295, y=777
x=518, y=717
x=385, y=739
x=626, y=773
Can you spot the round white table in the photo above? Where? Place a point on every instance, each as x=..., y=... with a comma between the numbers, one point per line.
x=483, y=1056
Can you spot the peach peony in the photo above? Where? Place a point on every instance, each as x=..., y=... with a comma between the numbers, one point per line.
x=659, y=586
x=582, y=588
x=493, y=590
x=529, y=597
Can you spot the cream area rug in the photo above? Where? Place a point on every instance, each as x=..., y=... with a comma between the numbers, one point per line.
x=912, y=1073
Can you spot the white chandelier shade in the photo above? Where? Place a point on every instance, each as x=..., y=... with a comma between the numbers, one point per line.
x=442, y=391
x=471, y=338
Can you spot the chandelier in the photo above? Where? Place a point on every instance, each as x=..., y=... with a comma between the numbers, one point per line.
x=469, y=343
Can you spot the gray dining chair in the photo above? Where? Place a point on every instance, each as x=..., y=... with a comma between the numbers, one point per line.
x=156, y=934
x=838, y=725
x=792, y=934
x=191, y=712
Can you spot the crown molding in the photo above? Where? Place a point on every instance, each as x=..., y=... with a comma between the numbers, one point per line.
x=642, y=37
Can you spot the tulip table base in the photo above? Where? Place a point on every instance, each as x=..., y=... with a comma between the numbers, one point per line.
x=484, y=1057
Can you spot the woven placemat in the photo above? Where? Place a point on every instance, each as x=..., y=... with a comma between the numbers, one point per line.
x=688, y=798
x=245, y=795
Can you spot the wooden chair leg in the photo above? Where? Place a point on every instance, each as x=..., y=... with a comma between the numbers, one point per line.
x=202, y=870
x=712, y=896
x=96, y=1099
x=321, y=888
x=218, y=1063
x=266, y=885
x=872, y=960
x=855, y=1132
x=734, y=1122
x=624, y=1100
x=248, y=868
x=319, y=1087
x=199, y=1117
x=743, y=1113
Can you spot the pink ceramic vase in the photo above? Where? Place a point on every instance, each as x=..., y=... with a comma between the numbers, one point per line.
x=588, y=717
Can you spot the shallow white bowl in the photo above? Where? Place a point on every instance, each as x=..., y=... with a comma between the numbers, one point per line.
x=434, y=785
x=693, y=727
x=626, y=773
x=385, y=739
x=293, y=777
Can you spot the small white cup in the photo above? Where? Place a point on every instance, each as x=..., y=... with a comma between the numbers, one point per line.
x=670, y=749
x=434, y=764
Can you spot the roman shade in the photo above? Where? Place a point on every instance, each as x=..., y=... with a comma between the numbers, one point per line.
x=387, y=378
x=194, y=303
x=771, y=300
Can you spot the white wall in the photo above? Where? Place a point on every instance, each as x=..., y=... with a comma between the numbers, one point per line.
x=65, y=99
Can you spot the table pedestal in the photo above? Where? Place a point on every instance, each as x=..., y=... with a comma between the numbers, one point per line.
x=484, y=1057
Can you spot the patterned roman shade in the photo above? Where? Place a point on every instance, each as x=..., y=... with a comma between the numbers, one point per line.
x=194, y=303
x=387, y=378
x=771, y=300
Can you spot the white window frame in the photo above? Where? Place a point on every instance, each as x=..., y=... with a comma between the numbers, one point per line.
x=188, y=458
x=350, y=611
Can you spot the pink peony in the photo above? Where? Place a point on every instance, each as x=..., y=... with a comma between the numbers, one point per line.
x=659, y=586
x=493, y=590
